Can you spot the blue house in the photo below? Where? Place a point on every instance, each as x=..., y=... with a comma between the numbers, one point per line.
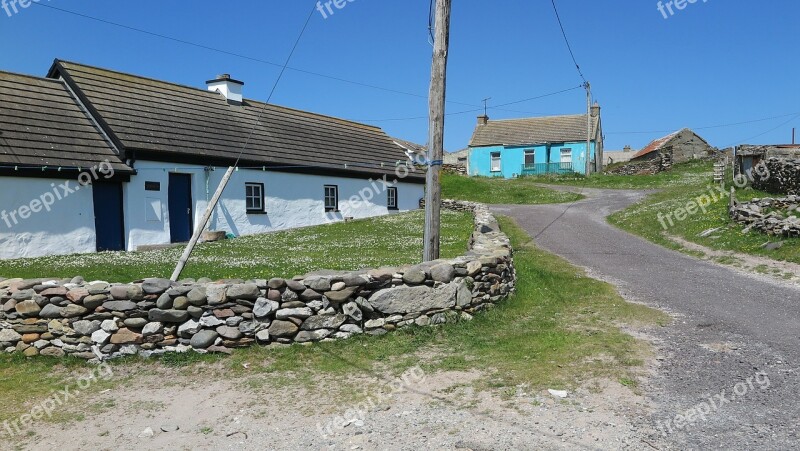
x=533, y=146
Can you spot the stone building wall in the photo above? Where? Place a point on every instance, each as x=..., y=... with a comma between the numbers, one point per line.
x=782, y=176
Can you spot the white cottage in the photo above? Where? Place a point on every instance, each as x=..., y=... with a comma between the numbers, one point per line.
x=96, y=160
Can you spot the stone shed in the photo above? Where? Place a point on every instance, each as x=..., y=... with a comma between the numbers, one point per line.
x=679, y=147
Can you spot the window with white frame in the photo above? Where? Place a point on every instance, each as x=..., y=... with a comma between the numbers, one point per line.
x=254, y=197
x=566, y=155
x=530, y=157
x=331, y=198
x=392, y=198
x=495, y=162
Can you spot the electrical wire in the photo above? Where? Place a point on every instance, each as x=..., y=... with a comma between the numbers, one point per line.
x=707, y=127
x=275, y=85
x=742, y=141
x=431, y=38
x=497, y=107
x=239, y=55
x=569, y=47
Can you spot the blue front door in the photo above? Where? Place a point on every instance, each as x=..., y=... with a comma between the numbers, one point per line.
x=180, y=207
x=108, y=216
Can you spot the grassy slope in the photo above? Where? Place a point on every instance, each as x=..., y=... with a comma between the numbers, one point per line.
x=642, y=219
x=683, y=175
x=501, y=191
x=559, y=330
x=389, y=240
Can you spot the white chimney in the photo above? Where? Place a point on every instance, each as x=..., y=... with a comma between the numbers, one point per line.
x=228, y=87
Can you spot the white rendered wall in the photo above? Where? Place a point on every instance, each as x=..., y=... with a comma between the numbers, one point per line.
x=67, y=228
x=292, y=200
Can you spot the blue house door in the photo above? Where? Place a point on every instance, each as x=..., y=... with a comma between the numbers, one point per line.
x=180, y=207
x=109, y=221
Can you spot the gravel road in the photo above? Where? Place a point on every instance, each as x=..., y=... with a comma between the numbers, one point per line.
x=727, y=376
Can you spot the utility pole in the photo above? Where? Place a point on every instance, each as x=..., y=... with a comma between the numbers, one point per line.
x=588, y=126
x=433, y=192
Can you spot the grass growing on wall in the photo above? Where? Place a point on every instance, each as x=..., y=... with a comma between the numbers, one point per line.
x=368, y=243
x=502, y=191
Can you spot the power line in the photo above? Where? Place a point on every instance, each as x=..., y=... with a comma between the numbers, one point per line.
x=239, y=55
x=764, y=133
x=275, y=86
x=707, y=127
x=569, y=47
x=498, y=107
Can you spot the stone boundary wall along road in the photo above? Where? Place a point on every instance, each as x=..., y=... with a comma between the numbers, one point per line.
x=100, y=320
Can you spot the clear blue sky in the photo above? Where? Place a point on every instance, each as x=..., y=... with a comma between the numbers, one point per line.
x=712, y=63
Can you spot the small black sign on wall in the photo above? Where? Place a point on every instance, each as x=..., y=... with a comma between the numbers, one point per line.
x=152, y=186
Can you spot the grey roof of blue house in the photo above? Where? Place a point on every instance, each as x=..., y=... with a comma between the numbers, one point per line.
x=529, y=131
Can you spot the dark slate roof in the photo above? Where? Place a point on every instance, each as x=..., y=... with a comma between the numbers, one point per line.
x=163, y=121
x=41, y=124
x=536, y=130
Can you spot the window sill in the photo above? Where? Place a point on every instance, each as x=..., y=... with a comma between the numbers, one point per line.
x=332, y=211
x=256, y=212
x=393, y=209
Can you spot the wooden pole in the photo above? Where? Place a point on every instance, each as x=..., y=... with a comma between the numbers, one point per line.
x=201, y=225
x=433, y=193
x=588, y=127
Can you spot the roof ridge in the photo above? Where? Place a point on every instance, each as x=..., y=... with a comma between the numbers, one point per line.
x=194, y=88
x=536, y=117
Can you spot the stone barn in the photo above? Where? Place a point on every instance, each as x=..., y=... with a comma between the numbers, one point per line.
x=679, y=147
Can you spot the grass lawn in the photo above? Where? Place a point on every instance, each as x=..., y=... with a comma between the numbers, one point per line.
x=688, y=174
x=501, y=191
x=561, y=329
x=642, y=218
x=369, y=243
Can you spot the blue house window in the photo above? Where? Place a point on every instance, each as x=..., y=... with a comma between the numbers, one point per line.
x=566, y=155
x=495, y=162
x=530, y=158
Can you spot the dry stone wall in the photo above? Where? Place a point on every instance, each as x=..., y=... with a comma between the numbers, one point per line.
x=100, y=320
x=649, y=167
x=781, y=177
x=777, y=217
